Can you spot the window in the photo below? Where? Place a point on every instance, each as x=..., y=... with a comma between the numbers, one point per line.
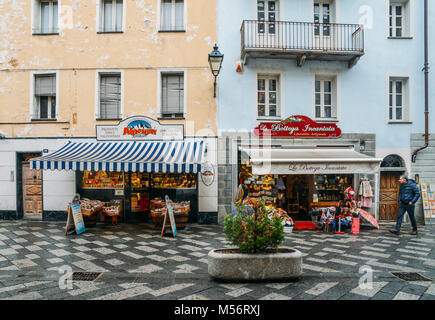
x=111, y=16
x=399, y=18
x=44, y=97
x=397, y=107
x=46, y=17
x=110, y=96
x=172, y=97
x=268, y=96
x=267, y=11
x=325, y=96
x=172, y=15
x=322, y=15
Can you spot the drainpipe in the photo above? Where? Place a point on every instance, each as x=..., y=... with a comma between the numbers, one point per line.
x=426, y=84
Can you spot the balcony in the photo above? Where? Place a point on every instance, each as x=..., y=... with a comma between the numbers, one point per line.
x=302, y=41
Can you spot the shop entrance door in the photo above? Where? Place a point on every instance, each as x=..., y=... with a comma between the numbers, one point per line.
x=32, y=192
x=389, y=195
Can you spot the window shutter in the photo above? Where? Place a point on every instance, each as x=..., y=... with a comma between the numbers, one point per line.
x=172, y=94
x=110, y=96
x=45, y=85
x=179, y=15
x=166, y=14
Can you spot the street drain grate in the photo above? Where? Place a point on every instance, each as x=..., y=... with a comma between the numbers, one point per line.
x=410, y=276
x=85, y=276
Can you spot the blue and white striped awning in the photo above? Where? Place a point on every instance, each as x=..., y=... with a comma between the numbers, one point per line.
x=171, y=156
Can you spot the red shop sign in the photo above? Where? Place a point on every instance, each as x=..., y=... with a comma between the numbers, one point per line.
x=297, y=127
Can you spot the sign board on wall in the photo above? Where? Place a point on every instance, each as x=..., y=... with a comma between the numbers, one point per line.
x=297, y=127
x=140, y=128
x=428, y=198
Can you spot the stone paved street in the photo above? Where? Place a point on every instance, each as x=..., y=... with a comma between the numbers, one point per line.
x=137, y=264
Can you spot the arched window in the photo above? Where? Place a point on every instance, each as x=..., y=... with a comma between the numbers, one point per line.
x=393, y=161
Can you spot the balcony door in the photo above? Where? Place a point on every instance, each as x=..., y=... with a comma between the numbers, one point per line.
x=267, y=27
x=324, y=32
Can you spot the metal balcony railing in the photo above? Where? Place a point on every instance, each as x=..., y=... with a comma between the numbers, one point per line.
x=302, y=37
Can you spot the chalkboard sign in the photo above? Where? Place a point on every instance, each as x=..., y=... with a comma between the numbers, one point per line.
x=170, y=213
x=75, y=218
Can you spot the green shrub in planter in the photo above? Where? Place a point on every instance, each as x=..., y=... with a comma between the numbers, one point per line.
x=251, y=230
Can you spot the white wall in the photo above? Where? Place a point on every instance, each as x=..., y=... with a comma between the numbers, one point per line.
x=58, y=186
x=207, y=201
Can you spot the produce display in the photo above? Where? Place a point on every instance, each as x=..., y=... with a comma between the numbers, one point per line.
x=112, y=208
x=90, y=207
x=158, y=209
x=173, y=180
x=102, y=180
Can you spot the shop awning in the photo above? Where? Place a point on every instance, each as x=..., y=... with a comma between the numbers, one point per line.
x=320, y=160
x=170, y=156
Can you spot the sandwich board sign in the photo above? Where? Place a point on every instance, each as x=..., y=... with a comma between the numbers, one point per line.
x=75, y=221
x=170, y=213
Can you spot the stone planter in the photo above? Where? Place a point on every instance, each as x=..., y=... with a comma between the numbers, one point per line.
x=228, y=264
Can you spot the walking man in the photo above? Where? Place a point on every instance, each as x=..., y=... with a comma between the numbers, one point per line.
x=408, y=196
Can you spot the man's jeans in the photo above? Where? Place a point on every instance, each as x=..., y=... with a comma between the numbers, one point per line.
x=406, y=208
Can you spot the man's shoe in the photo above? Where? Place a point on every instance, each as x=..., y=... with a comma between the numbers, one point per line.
x=396, y=232
x=413, y=233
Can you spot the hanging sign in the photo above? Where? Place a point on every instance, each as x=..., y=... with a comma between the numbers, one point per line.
x=75, y=221
x=140, y=128
x=297, y=127
x=207, y=174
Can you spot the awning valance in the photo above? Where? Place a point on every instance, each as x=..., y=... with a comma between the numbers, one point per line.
x=310, y=161
x=163, y=156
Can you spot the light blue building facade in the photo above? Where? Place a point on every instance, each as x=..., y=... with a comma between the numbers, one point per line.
x=357, y=64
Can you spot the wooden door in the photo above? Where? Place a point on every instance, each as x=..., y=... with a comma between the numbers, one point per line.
x=32, y=192
x=389, y=195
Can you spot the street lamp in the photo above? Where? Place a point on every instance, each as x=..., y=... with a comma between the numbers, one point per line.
x=215, y=59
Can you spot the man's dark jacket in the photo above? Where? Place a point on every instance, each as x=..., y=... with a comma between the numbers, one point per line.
x=409, y=192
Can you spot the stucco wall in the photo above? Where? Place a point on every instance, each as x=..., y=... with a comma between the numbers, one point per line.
x=78, y=51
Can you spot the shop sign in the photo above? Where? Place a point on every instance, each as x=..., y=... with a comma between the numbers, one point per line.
x=297, y=127
x=314, y=168
x=140, y=128
x=207, y=174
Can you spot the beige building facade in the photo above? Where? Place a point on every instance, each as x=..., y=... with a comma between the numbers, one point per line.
x=67, y=66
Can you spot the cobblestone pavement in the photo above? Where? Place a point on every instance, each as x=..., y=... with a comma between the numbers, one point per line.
x=137, y=264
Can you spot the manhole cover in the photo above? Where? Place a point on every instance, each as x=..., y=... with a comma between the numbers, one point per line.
x=85, y=276
x=410, y=276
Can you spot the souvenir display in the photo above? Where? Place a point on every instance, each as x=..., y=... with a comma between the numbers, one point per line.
x=330, y=187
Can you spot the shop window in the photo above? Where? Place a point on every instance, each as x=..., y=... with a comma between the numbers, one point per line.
x=110, y=96
x=44, y=97
x=102, y=180
x=267, y=15
x=173, y=180
x=172, y=95
x=330, y=187
x=398, y=19
x=398, y=100
x=172, y=15
x=111, y=16
x=46, y=17
x=325, y=98
x=268, y=96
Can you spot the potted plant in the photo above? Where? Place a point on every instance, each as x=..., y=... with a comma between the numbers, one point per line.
x=257, y=231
